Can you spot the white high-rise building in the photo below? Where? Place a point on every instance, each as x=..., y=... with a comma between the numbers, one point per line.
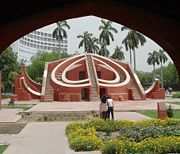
x=30, y=44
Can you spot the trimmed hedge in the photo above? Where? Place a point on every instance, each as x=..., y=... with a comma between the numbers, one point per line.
x=133, y=137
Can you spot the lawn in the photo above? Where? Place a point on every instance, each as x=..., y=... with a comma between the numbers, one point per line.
x=153, y=113
x=17, y=106
x=2, y=148
x=176, y=103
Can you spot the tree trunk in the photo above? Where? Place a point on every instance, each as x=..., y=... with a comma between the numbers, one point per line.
x=162, y=82
x=130, y=57
x=134, y=61
x=153, y=71
x=59, y=49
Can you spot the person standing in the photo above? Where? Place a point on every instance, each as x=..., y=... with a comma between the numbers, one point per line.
x=103, y=109
x=110, y=105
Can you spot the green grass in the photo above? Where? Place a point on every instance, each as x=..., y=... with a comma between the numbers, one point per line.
x=176, y=103
x=176, y=94
x=149, y=113
x=5, y=96
x=2, y=148
x=17, y=106
x=153, y=113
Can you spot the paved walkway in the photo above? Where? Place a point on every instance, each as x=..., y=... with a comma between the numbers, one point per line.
x=9, y=115
x=40, y=138
x=94, y=106
x=49, y=137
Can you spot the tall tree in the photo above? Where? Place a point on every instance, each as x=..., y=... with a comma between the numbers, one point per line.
x=162, y=59
x=132, y=41
x=104, y=51
x=106, y=34
x=8, y=66
x=84, y=40
x=152, y=60
x=92, y=45
x=59, y=32
x=118, y=53
x=36, y=69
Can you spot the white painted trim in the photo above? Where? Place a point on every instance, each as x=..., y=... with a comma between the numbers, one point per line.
x=137, y=80
x=44, y=79
x=64, y=79
x=29, y=89
x=30, y=78
x=117, y=78
x=152, y=86
x=54, y=79
x=126, y=81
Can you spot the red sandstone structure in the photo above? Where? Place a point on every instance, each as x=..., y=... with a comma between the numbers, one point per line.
x=85, y=77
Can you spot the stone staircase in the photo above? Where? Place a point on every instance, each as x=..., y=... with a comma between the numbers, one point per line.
x=122, y=78
x=136, y=95
x=48, y=90
x=59, y=76
x=95, y=96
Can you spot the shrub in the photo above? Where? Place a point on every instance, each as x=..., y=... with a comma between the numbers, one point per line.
x=170, y=112
x=159, y=145
x=140, y=133
x=84, y=140
x=83, y=136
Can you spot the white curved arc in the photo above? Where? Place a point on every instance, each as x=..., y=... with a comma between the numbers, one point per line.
x=126, y=81
x=152, y=86
x=117, y=78
x=70, y=81
x=29, y=89
x=54, y=79
x=31, y=79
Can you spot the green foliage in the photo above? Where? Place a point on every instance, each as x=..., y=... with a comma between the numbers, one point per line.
x=145, y=78
x=82, y=139
x=139, y=133
x=8, y=66
x=148, y=136
x=36, y=69
x=159, y=145
x=177, y=95
x=118, y=53
x=170, y=112
x=2, y=148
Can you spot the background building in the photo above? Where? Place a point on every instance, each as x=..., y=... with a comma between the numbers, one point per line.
x=28, y=45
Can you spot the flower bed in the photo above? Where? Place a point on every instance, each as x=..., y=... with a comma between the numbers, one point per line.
x=148, y=136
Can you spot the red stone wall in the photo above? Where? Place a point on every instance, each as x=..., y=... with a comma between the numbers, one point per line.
x=156, y=92
x=0, y=90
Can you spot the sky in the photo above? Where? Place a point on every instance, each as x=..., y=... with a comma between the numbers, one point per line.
x=91, y=24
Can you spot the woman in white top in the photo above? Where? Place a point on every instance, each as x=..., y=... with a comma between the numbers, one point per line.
x=110, y=105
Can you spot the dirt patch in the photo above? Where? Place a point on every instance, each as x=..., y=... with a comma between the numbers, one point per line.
x=57, y=116
x=11, y=128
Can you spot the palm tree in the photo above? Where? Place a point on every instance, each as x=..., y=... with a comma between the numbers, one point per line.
x=59, y=32
x=106, y=34
x=129, y=46
x=118, y=53
x=85, y=40
x=152, y=60
x=132, y=40
x=104, y=51
x=92, y=46
x=162, y=59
